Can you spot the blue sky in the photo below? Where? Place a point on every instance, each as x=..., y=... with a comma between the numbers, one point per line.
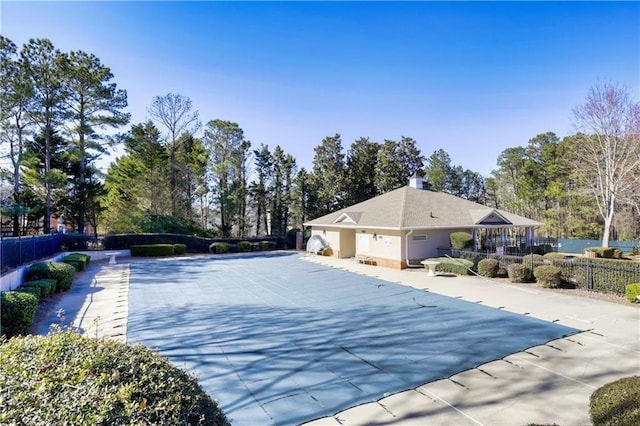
x=472, y=78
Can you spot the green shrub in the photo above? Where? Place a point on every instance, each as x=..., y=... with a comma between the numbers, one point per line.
x=461, y=240
x=61, y=272
x=145, y=250
x=76, y=265
x=607, y=275
x=68, y=378
x=46, y=286
x=35, y=291
x=82, y=259
x=488, y=268
x=244, y=246
x=633, y=291
x=474, y=258
x=219, y=248
x=453, y=266
x=617, y=253
x=179, y=248
x=548, y=276
x=17, y=311
x=518, y=273
x=553, y=255
x=605, y=252
x=533, y=260
x=616, y=403
x=264, y=245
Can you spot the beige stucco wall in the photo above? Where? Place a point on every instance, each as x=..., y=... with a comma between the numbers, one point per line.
x=388, y=248
x=342, y=244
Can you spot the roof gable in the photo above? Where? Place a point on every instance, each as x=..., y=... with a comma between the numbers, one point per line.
x=348, y=217
x=490, y=217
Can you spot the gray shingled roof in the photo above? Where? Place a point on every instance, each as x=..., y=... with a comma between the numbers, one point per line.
x=411, y=208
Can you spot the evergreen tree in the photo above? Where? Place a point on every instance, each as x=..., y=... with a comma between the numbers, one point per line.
x=329, y=175
x=360, y=181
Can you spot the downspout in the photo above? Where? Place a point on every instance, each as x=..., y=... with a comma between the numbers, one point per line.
x=406, y=250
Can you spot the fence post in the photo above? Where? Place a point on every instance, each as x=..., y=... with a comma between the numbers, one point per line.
x=587, y=275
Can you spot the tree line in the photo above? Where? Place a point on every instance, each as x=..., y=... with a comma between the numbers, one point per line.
x=61, y=111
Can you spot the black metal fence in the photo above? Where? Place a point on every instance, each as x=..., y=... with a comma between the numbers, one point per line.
x=20, y=250
x=604, y=275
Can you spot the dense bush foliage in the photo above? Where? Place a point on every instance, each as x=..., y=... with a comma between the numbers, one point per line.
x=45, y=286
x=488, y=268
x=17, y=310
x=608, y=275
x=474, y=258
x=219, y=248
x=61, y=272
x=553, y=255
x=454, y=266
x=548, y=276
x=519, y=273
x=605, y=252
x=152, y=250
x=533, y=260
x=461, y=240
x=35, y=291
x=67, y=378
x=244, y=246
x=179, y=248
x=633, y=291
x=82, y=259
x=616, y=403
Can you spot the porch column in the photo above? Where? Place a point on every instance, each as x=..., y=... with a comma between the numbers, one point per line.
x=475, y=237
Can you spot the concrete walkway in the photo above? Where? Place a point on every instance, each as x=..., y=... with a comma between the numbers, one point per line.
x=551, y=383
x=97, y=303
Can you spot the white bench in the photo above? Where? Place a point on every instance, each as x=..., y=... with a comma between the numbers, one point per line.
x=112, y=256
x=431, y=267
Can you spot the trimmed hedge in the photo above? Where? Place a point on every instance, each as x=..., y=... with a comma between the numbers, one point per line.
x=145, y=250
x=633, y=291
x=488, y=268
x=76, y=265
x=604, y=252
x=244, y=246
x=461, y=240
x=46, y=286
x=17, y=311
x=454, y=266
x=608, y=275
x=219, y=248
x=519, y=273
x=61, y=272
x=616, y=403
x=68, y=378
x=548, y=276
x=81, y=258
x=35, y=291
x=533, y=260
x=179, y=248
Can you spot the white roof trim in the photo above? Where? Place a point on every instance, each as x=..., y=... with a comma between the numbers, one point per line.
x=344, y=218
x=494, y=212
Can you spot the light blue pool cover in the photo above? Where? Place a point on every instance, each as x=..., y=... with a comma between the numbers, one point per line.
x=278, y=340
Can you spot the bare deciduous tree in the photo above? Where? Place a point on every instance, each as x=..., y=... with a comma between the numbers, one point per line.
x=174, y=111
x=609, y=149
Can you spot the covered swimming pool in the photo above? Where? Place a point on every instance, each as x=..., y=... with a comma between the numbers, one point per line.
x=279, y=340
